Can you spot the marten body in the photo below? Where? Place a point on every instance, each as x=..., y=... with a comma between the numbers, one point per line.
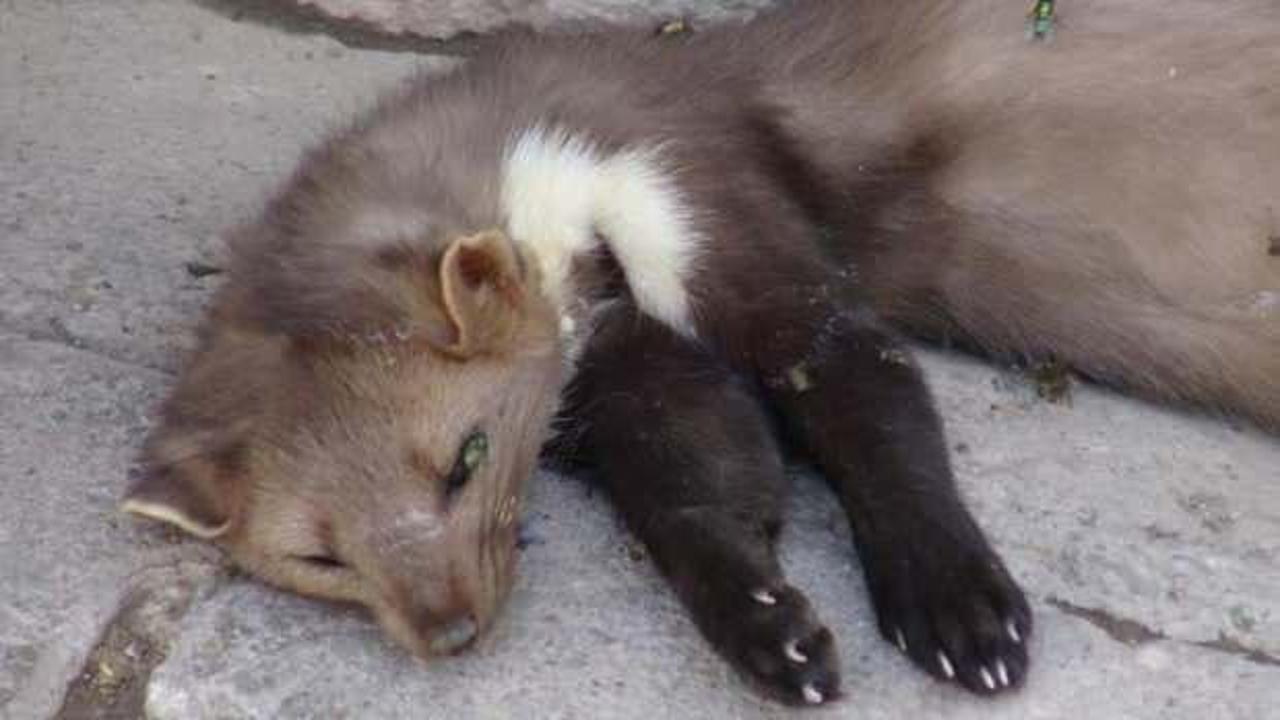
x=701, y=235
x=1108, y=196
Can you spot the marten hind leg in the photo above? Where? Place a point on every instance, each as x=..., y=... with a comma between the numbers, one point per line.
x=1224, y=362
x=1204, y=341
x=689, y=458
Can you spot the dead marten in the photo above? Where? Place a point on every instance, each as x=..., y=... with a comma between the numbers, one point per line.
x=697, y=235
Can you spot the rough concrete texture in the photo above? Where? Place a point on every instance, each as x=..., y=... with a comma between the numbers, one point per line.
x=447, y=18
x=132, y=131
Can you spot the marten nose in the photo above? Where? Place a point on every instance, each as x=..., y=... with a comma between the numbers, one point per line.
x=455, y=636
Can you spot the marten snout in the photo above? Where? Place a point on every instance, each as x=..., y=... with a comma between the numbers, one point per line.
x=453, y=636
x=448, y=627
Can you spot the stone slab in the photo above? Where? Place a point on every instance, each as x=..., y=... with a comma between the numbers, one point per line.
x=447, y=18
x=132, y=132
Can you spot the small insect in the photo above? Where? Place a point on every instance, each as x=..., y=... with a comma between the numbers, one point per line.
x=1042, y=20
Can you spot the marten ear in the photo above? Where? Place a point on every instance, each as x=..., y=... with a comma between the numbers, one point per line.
x=483, y=292
x=198, y=494
x=467, y=301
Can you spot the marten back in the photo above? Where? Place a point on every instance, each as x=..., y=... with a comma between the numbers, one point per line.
x=1108, y=196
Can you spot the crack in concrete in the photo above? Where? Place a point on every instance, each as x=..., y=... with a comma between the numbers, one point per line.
x=1122, y=630
x=1227, y=644
x=1135, y=634
x=113, y=681
x=297, y=19
x=57, y=333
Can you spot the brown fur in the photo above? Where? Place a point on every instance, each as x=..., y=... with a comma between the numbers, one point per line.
x=1106, y=197
x=282, y=449
x=1080, y=198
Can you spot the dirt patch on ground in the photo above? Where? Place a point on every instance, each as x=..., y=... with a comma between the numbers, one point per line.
x=113, y=683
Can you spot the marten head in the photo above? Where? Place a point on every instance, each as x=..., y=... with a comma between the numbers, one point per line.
x=358, y=422
x=377, y=375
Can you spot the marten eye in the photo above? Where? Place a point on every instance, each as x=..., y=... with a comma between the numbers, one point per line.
x=471, y=456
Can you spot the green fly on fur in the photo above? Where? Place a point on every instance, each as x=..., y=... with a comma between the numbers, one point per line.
x=1042, y=20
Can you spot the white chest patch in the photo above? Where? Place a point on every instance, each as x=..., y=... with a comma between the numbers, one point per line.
x=560, y=195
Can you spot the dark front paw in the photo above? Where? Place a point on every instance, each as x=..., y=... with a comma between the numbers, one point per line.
x=956, y=613
x=773, y=635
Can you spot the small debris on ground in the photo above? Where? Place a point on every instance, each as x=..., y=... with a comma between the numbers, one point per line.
x=635, y=551
x=1052, y=379
x=1242, y=618
x=113, y=681
x=679, y=26
x=197, y=269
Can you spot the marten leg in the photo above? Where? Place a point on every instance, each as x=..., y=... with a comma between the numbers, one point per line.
x=690, y=460
x=854, y=400
x=1148, y=313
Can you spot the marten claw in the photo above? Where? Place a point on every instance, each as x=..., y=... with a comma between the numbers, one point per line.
x=987, y=679
x=779, y=643
x=764, y=597
x=1011, y=628
x=792, y=651
x=1002, y=672
x=960, y=618
x=944, y=662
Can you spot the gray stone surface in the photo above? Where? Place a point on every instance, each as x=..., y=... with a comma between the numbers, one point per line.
x=132, y=131
x=446, y=18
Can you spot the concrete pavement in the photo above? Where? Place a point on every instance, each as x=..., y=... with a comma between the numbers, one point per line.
x=133, y=131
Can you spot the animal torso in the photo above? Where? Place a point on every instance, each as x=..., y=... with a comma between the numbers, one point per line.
x=986, y=178
x=971, y=177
